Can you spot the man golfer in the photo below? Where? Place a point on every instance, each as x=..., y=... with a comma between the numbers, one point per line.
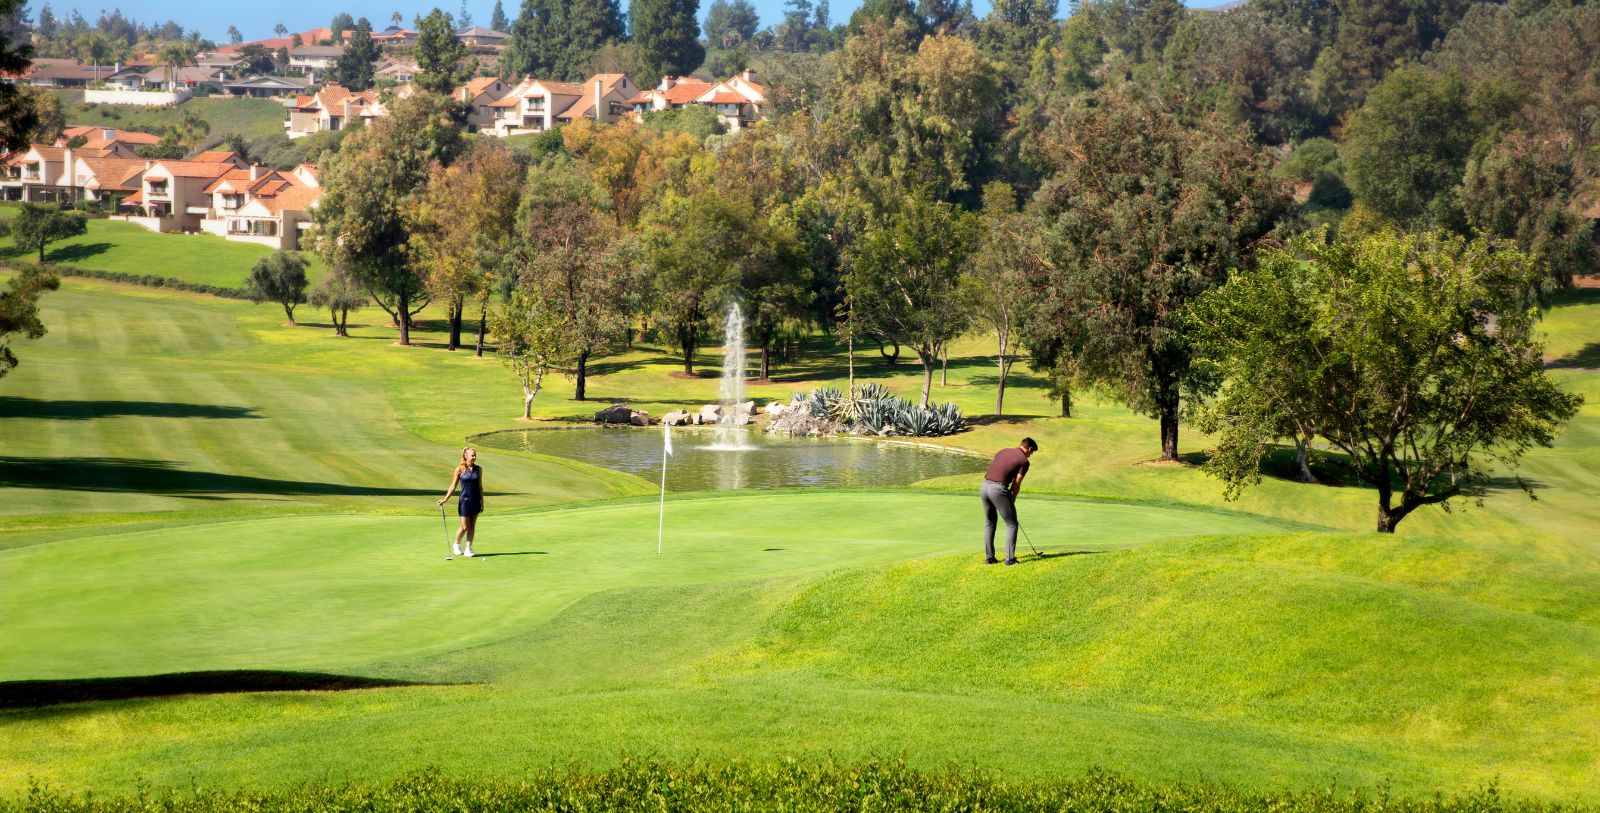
x=1001, y=485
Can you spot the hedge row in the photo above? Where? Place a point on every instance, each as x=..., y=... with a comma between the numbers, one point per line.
x=874, y=786
x=148, y=280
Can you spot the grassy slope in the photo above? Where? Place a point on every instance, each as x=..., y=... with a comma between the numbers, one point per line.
x=1461, y=650
x=128, y=248
x=252, y=118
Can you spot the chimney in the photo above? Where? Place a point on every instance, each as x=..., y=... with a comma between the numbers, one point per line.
x=255, y=172
x=69, y=173
x=748, y=75
x=597, y=116
x=667, y=82
x=108, y=134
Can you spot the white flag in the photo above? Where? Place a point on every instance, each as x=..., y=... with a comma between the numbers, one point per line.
x=668, y=428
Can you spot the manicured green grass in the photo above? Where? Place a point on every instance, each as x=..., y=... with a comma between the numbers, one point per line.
x=251, y=118
x=128, y=248
x=190, y=486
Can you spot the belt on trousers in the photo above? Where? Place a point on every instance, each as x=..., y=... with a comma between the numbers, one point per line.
x=996, y=482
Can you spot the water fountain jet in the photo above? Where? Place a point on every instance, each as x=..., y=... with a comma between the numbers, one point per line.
x=730, y=391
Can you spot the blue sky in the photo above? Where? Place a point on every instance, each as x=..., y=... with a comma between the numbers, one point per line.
x=256, y=20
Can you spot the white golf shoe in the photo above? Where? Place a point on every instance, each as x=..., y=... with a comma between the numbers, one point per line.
x=457, y=548
x=468, y=554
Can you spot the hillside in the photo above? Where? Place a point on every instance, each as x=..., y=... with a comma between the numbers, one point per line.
x=251, y=118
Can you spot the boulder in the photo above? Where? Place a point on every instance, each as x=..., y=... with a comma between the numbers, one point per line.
x=640, y=418
x=675, y=417
x=709, y=413
x=616, y=413
x=777, y=408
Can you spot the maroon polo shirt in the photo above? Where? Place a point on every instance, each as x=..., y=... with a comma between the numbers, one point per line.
x=1006, y=466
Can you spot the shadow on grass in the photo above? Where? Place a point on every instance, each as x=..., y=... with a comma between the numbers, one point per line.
x=27, y=694
x=513, y=553
x=77, y=253
x=1586, y=357
x=12, y=406
x=122, y=474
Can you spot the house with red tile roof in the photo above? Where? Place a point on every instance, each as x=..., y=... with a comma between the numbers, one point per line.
x=535, y=105
x=264, y=206
x=478, y=94
x=332, y=108
x=172, y=196
x=739, y=101
x=44, y=173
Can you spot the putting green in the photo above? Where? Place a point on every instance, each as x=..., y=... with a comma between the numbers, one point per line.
x=346, y=593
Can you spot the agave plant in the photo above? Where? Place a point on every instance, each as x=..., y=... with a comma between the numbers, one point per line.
x=821, y=403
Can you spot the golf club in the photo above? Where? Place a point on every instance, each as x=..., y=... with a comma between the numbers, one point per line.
x=1030, y=540
x=446, y=523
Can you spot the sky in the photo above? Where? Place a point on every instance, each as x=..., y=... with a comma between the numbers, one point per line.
x=256, y=20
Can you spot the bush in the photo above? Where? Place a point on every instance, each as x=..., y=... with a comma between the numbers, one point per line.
x=872, y=409
x=149, y=281
x=737, y=786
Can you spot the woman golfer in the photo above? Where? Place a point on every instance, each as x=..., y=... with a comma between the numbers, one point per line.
x=470, y=477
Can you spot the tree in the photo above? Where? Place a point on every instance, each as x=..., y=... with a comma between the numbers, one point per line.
x=906, y=282
x=94, y=48
x=731, y=23
x=588, y=26
x=1415, y=356
x=923, y=119
x=497, y=19
x=464, y=16
x=529, y=330
x=19, y=310
x=1372, y=37
x=998, y=277
x=37, y=225
x=175, y=55
x=255, y=58
x=340, y=292
x=1407, y=147
x=369, y=183
x=35, y=107
x=189, y=132
x=688, y=243
x=437, y=51
x=234, y=35
x=570, y=259
x=279, y=277
x=280, y=29
x=667, y=34
x=461, y=224
x=1521, y=190
x=1146, y=210
x=354, y=68
x=341, y=23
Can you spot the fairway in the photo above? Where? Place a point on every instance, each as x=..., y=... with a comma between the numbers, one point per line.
x=188, y=486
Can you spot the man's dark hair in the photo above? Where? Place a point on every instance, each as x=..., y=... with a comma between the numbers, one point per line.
x=1027, y=443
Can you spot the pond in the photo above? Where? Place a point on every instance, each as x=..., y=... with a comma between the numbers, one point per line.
x=770, y=461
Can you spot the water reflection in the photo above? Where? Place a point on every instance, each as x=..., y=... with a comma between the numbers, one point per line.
x=769, y=461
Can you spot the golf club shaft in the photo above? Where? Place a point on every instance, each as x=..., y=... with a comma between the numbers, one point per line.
x=444, y=523
x=1029, y=538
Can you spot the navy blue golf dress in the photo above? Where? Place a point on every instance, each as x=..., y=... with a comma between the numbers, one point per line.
x=471, y=502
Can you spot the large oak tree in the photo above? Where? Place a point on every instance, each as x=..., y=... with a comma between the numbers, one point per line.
x=1146, y=209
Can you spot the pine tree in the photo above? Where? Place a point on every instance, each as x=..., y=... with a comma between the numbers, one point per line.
x=354, y=69
x=497, y=19
x=437, y=52
x=667, y=35
x=464, y=19
x=537, y=40
x=592, y=25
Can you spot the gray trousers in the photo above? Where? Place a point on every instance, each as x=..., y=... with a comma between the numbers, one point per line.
x=997, y=501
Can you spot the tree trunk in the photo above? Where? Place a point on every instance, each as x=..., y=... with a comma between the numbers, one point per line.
x=483, y=326
x=765, y=353
x=1169, y=433
x=583, y=375
x=1387, y=517
x=927, y=358
x=288, y=310
x=404, y=315
x=944, y=366
x=1000, y=392
x=851, y=351
x=528, y=394
x=1066, y=402
x=1302, y=459
x=456, y=307
x=41, y=253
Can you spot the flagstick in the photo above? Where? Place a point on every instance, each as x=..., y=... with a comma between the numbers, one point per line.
x=661, y=519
